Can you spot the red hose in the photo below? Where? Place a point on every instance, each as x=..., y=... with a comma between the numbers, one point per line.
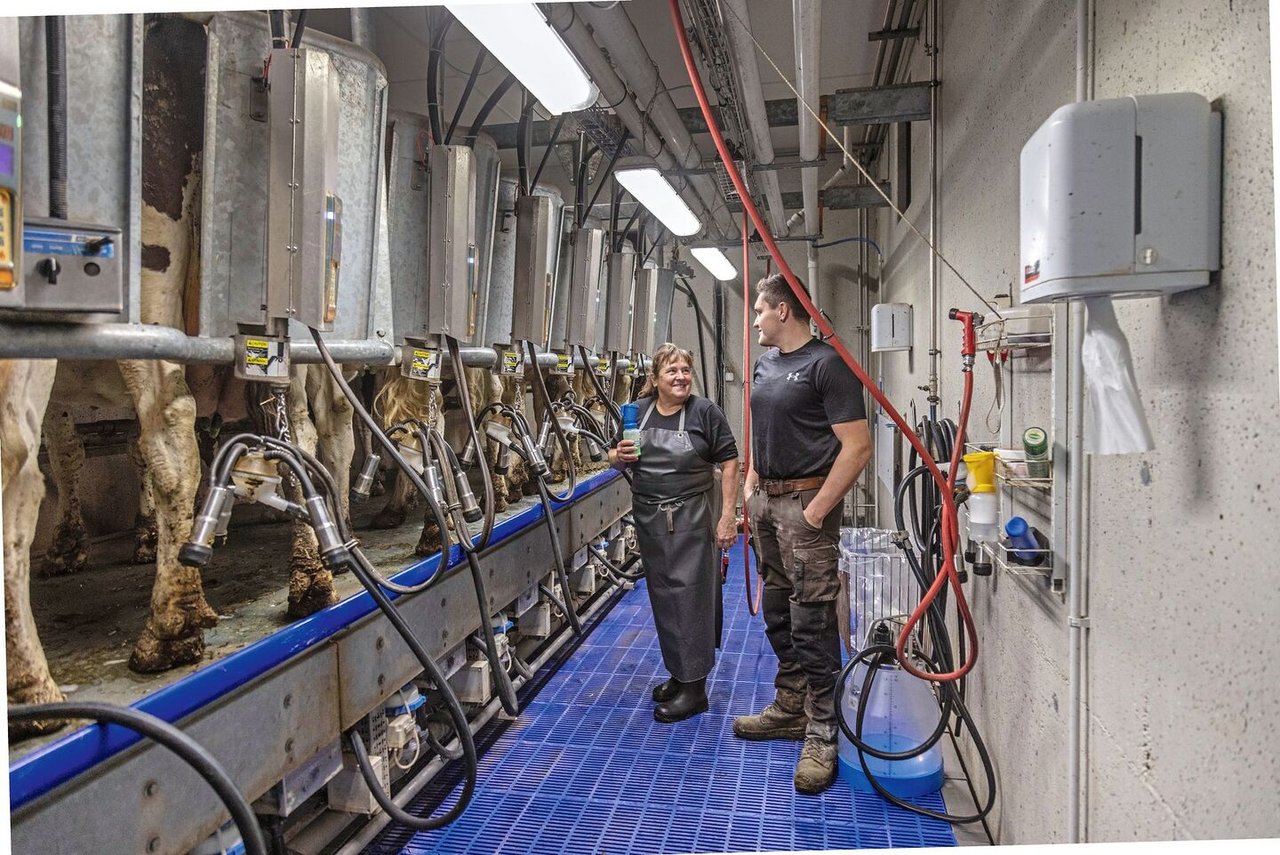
x=753, y=604
x=949, y=524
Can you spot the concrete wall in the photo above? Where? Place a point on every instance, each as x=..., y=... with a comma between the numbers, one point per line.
x=1181, y=694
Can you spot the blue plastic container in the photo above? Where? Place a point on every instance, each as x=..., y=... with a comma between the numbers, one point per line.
x=901, y=714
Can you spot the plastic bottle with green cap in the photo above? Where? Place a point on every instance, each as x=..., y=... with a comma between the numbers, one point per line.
x=1036, y=446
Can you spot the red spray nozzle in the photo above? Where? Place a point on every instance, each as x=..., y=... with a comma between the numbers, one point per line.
x=970, y=320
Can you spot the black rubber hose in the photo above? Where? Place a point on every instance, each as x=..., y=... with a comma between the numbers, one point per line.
x=551, y=144
x=561, y=573
x=434, y=57
x=541, y=387
x=618, y=571
x=299, y=28
x=278, y=36
x=464, y=395
x=188, y=750
x=55, y=46
x=481, y=56
x=701, y=319
x=614, y=411
x=522, y=144
x=495, y=96
x=456, y=713
x=602, y=178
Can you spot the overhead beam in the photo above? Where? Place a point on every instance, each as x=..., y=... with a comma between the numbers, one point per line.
x=875, y=105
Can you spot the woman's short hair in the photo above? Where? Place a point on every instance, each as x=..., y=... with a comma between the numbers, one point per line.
x=662, y=357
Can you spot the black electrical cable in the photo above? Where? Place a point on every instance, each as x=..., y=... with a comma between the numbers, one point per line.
x=485, y=109
x=466, y=93
x=188, y=750
x=278, y=35
x=562, y=575
x=718, y=311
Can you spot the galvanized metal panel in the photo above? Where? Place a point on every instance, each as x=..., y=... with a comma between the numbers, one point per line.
x=488, y=169
x=578, y=289
x=642, y=303
x=496, y=316
x=618, y=299
x=104, y=141
x=529, y=269
x=233, y=219
x=664, y=297
x=148, y=800
x=408, y=222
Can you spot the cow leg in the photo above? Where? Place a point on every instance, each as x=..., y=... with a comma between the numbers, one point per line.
x=24, y=394
x=401, y=497
x=69, y=551
x=310, y=582
x=335, y=436
x=166, y=415
x=145, y=533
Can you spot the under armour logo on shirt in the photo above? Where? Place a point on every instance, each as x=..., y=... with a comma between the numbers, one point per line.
x=794, y=376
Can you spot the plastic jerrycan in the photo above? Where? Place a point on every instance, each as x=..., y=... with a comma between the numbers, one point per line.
x=901, y=714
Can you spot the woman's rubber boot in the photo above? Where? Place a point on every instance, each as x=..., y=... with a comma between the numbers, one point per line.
x=688, y=702
x=666, y=691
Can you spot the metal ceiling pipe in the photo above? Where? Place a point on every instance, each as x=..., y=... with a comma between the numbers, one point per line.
x=614, y=94
x=807, y=19
x=737, y=26
x=618, y=36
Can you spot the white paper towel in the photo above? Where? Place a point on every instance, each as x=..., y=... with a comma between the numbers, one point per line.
x=1115, y=422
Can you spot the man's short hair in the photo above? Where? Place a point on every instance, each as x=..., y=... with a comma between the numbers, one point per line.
x=774, y=289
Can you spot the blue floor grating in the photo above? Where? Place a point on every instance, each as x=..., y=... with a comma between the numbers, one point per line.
x=586, y=769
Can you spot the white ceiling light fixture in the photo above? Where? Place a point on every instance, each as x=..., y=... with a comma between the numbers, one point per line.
x=654, y=191
x=520, y=38
x=715, y=261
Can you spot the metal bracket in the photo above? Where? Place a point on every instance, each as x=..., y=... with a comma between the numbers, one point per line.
x=1080, y=622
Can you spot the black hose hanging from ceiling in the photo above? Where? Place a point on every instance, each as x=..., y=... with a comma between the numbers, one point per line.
x=522, y=144
x=551, y=144
x=466, y=92
x=603, y=177
x=276, y=17
x=299, y=28
x=55, y=45
x=433, y=74
x=494, y=97
x=699, y=320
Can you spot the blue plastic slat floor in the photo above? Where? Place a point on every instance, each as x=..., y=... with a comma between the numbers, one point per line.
x=586, y=769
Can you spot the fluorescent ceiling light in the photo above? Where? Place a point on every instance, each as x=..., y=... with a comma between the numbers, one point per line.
x=652, y=190
x=519, y=37
x=715, y=262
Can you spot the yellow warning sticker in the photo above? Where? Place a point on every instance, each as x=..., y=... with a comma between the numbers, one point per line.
x=256, y=352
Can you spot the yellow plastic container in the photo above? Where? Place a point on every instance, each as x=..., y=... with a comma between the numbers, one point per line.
x=982, y=471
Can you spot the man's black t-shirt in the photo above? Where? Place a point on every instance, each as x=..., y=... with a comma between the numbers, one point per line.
x=795, y=398
x=705, y=423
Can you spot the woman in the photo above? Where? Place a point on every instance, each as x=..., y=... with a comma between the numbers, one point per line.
x=682, y=438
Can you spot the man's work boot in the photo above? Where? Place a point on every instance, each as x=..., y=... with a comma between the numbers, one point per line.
x=666, y=691
x=690, y=699
x=772, y=722
x=817, y=767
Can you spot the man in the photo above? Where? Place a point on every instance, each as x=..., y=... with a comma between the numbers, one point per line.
x=809, y=444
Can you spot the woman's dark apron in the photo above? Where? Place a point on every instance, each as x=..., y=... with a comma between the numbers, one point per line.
x=672, y=488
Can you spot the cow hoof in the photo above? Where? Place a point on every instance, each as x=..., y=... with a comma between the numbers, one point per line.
x=389, y=517
x=43, y=692
x=153, y=654
x=203, y=615
x=69, y=552
x=309, y=592
x=429, y=542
